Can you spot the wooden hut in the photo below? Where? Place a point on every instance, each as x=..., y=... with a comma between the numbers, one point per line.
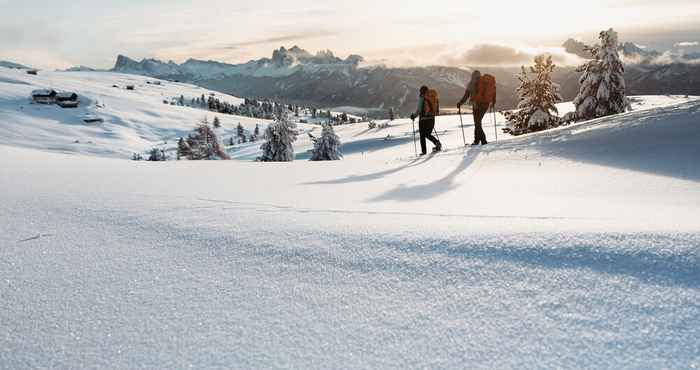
x=67, y=100
x=44, y=96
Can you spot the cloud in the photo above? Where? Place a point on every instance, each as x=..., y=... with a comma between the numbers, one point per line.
x=670, y=57
x=502, y=55
x=281, y=39
x=404, y=57
x=487, y=54
x=453, y=55
x=686, y=44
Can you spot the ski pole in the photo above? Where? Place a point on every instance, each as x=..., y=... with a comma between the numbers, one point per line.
x=461, y=123
x=436, y=134
x=415, y=148
x=493, y=109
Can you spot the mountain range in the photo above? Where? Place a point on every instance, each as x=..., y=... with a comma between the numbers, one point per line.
x=324, y=80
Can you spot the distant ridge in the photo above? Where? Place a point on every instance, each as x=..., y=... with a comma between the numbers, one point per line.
x=6, y=64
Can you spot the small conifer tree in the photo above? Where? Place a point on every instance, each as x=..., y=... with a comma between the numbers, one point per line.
x=538, y=96
x=280, y=136
x=327, y=147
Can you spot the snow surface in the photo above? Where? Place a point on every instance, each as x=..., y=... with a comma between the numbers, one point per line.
x=577, y=247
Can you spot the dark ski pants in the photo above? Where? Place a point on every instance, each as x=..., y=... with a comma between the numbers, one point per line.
x=426, y=125
x=479, y=111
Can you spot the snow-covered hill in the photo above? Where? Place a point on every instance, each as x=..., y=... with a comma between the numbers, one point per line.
x=134, y=120
x=572, y=248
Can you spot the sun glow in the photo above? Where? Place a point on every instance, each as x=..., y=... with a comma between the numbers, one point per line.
x=246, y=29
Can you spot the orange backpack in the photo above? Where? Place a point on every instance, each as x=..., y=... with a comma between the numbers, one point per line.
x=485, y=90
x=431, y=104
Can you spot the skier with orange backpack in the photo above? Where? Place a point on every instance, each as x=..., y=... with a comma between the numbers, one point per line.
x=428, y=108
x=481, y=93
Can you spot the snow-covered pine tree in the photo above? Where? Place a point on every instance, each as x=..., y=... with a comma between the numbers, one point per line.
x=240, y=132
x=538, y=96
x=280, y=136
x=157, y=155
x=204, y=144
x=327, y=147
x=602, y=91
x=183, y=149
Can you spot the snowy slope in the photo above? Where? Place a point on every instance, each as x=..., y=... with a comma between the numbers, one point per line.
x=573, y=248
x=134, y=121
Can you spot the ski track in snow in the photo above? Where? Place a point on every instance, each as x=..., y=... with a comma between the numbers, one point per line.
x=385, y=213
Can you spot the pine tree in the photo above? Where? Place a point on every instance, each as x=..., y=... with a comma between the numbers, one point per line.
x=602, y=90
x=183, y=149
x=256, y=132
x=280, y=136
x=216, y=123
x=204, y=144
x=327, y=147
x=538, y=96
x=156, y=155
x=240, y=132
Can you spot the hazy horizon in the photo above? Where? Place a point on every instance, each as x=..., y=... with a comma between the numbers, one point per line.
x=93, y=33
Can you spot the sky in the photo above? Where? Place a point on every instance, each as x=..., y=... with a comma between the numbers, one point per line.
x=51, y=34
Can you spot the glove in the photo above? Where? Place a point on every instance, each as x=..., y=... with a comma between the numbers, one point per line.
x=413, y=117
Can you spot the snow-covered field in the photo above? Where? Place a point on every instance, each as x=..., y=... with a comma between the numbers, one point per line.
x=134, y=121
x=573, y=248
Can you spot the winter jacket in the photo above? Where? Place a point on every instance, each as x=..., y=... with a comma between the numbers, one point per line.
x=419, y=111
x=471, y=87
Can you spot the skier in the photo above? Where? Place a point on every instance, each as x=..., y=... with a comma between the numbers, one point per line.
x=479, y=108
x=428, y=108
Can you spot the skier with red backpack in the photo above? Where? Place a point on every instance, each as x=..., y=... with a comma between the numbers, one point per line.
x=481, y=93
x=428, y=108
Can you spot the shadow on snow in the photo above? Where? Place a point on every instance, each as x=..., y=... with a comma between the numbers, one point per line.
x=407, y=193
x=663, y=143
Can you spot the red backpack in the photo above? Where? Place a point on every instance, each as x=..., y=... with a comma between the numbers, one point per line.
x=431, y=104
x=485, y=90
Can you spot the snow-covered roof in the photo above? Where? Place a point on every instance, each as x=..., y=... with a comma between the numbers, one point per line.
x=43, y=92
x=66, y=95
